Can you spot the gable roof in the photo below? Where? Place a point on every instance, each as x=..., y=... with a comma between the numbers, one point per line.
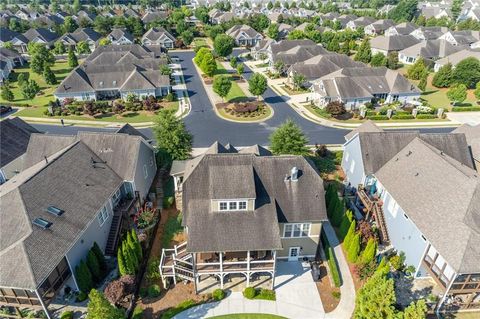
x=432, y=49
x=14, y=137
x=367, y=126
x=41, y=33
x=393, y=43
x=449, y=217
x=237, y=175
x=130, y=130
x=31, y=253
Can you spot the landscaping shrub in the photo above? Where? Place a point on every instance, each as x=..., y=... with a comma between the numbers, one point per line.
x=172, y=312
x=249, y=293
x=137, y=313
x=143, y=292
x=398, y=261
x=377, y=117
x=115, y=292
x=345, y=224
x=266, y=294
x=351, y=232
x=403, y=117
x=153, y=272
x=81, y=296
x=335, y=108
x=426, y=116
x=365, y=270
x=245, y=107
x=94, y=267
x=168, y=202
x=333, y=266
x=466, y=109
x=354, y=248
x=170, y=97
x=67, y=315
x=153, y=291
x=84, y=277
x=369, y=253
x=218, y=294
x=336, y=294
x=338, y=212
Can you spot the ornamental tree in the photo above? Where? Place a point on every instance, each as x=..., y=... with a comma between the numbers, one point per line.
x=209, y=65
x=392, y=60
x=378, y=59
x=272, y=31
x=364, y=53
x=354, y=248
x=187, y=37
x=59, y=48
x=369, y=253
x=29, y=89
x=172, y=136
x=49, y=76
x=94, y=267
x=83, y=277
x=223, y=45
x=100, y=258
x=457, y=93
x=443, y=77
x=257, y=84
x=222, y=85
x=467, y=72
x=100, y=308
x=7, y=93
x=298, y=80
x=83, y=47
x=416, y=70
x=376, y=299
x=351, y=232
x=72, y=58
x=288, y=138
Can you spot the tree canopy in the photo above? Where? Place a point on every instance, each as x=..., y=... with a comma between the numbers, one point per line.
x=288, y=138
x=222, y=85
x=223, y=45
x=172, y=136
x=100, y=308
x=257, y=84
x=467, y=72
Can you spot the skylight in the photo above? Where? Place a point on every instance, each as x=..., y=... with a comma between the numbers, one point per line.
x=55, y=211
x=42, y=223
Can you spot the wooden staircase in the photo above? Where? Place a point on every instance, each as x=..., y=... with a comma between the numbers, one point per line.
x=113, y=235
x=380, y=221
x=176, y=263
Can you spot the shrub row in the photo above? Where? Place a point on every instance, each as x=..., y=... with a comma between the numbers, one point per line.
x=426, y=116
x=91, y=271
x=377, y=117
x=172, y=312
x=329, y=254
x=264, y=294
x=466, y=109
x=403, y=117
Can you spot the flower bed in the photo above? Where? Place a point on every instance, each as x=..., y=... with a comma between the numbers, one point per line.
x=245, y=111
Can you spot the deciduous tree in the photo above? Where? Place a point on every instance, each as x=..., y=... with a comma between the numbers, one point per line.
x=257, y=84
x=288, y=138
x=172, y=136
x=416, y=70
x=457, y=93
x=379, y=60
x=72, y=58
x=364, y=53
x=443, y=77
x=222, y=85
x=467, y=72
x=209, y=65
x=7, y=93
x=223, y=45
x=272, y=31
x=49, y=76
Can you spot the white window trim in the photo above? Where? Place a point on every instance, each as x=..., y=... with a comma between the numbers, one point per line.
x=293, y=228
x=232, y=201
x=102, y=215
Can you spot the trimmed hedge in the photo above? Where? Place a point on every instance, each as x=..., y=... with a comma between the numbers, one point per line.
x=249, y=293
x=137, y=313
x=426, y=116
x=377, y=117
x=153, y=291
x=67, y=315
x=266, y=294
x=403, y=117
x=332, y=264
x=466, y=109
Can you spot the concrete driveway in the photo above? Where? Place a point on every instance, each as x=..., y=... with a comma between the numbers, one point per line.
x=297, y=297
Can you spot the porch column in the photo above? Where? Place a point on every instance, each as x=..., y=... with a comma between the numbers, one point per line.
x=45, y=309
x=248, y=268
x=274, y=265
x=221, y=270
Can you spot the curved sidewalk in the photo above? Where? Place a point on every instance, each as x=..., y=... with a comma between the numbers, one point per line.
x=295, y=296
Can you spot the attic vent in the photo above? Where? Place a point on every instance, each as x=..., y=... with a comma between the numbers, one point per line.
x=114, y=82
x=42, y=223
x=55, y=211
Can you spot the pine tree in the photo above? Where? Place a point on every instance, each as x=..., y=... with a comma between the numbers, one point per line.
x=138, y=246
x=383, y=267
x=369, y=253
x=100, y=257
x=364, y=53
x=351, y=232
x=133, y=250
x=130, y=260
x=83, y=277
x=100, y=307
x=337, y=213
x=345, y=224
x=72, y=58
x=94, y=267
x=376, y=299
x=354, y=248
x=423, y=81
x=7, y=94
x=122, y=268
x=333, y=204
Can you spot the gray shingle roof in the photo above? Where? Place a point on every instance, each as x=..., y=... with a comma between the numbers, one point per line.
x=29, y=253
x=233, y=176
x=472, y=134
x=41, y=33
x=130, y=130
x=14, y=137
x=367, y=126
x=393, y=43
x=432, y=49
x=442, y=197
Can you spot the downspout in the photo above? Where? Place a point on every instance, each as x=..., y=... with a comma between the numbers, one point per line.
x=73, y=273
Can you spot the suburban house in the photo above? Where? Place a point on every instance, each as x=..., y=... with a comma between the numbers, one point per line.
x=115, y=71
x=438, y=231
x=240, y=230
x=26, y=14
x=48, y=21
x=74, y=191
x=430, y=50
x=14, y=137
x=378, y=27
x=86, y=16
x=461, y=37
x=344, y=19
x=244, y=35
x=152, y=16
x=120, y=36
x=260, y=50
x=429, y=33
x=472, y=134
x=41, y=35
x=404, y=28
x=394, y=43
x=18, y=40
x=456, y=57
x=8, y=60
x=356, y=86
x=218, y=16
x=436, y=12
x=81, y=34
x=160, y=37
x=319, y=66
x=290, y=52
x=283, y=30
x=360, y=22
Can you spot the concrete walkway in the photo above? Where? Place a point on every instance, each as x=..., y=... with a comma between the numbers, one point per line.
x=297, y=295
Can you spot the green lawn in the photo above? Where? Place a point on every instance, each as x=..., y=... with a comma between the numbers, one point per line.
x=127, y=117
x=200, y=42
x=248, y=316
x=235, y=93
x=61, y=70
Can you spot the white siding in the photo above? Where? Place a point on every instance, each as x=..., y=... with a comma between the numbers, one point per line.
x=352, y=162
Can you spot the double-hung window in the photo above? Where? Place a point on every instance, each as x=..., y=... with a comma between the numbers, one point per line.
x=102, y=215
x=232, y=205
x=296, y=230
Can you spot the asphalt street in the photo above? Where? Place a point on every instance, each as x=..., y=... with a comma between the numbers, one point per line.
x=207, y=127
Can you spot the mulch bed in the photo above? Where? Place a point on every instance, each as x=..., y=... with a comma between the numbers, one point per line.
x=325, y=290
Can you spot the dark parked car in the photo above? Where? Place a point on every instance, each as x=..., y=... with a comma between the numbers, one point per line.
x=5, y=109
